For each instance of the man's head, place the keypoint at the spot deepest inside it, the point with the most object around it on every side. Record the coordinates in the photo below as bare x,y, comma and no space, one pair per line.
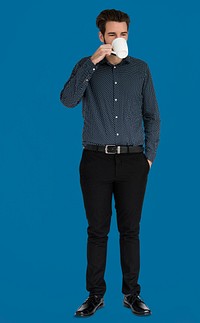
112,24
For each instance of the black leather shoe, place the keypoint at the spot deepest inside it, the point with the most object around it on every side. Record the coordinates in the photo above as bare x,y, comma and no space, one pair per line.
136,305
90,306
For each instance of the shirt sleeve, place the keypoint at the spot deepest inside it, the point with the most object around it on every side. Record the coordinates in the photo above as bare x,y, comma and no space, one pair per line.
151,116
75,87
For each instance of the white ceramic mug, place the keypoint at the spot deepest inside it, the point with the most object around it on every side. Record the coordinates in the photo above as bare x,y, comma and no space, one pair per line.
120,47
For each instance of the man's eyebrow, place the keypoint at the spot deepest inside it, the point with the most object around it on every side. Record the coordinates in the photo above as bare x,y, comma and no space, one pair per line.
112,32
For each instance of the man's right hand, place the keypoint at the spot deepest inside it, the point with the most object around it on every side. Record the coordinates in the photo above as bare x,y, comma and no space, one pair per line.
102,51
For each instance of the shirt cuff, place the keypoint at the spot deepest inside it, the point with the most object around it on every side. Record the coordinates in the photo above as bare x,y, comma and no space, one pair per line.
150,155
89,69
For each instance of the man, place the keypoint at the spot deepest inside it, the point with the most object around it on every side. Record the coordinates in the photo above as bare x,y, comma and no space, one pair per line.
121,115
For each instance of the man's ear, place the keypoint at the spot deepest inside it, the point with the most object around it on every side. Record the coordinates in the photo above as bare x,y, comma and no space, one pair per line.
101,37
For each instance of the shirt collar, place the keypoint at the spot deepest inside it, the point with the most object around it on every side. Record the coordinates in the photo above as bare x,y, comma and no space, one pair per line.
125,60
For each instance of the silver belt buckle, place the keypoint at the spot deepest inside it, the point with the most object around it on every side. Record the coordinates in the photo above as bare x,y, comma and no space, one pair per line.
110,152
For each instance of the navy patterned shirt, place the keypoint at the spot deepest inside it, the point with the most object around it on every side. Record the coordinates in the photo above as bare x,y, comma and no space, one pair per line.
119,105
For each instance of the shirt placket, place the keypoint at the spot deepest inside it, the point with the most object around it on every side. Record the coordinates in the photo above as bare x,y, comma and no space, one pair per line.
116,104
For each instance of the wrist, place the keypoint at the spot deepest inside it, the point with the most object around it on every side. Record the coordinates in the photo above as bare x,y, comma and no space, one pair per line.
93,61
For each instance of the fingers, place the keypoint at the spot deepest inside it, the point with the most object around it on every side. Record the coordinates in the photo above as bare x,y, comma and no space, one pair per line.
106,46
105,49
101,52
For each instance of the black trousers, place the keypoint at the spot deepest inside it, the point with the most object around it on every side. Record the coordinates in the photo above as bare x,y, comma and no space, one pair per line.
125,176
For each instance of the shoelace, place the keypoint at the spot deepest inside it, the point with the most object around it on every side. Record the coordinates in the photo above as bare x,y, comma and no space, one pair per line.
92,300
132,298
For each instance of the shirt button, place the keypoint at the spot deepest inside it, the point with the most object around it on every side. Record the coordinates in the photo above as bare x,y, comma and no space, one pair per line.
114,66
115,99
116,117
117,134
86,80
93,69
115,82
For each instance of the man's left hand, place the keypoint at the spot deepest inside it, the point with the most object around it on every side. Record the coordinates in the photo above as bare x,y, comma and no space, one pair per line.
150,162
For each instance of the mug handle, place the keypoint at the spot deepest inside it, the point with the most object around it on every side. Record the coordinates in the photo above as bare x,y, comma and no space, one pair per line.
114,53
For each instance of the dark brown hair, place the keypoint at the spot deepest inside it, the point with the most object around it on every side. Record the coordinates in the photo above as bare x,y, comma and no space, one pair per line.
111,15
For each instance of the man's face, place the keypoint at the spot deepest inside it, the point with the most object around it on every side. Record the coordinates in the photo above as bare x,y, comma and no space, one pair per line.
114,30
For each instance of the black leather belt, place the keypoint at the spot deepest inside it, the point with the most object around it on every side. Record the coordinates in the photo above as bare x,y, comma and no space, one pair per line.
115,149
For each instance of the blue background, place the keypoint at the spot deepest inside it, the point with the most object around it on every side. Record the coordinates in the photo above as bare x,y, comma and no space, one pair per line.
42,218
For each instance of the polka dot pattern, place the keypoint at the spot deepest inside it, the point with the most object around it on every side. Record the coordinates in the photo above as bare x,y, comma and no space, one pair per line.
119,105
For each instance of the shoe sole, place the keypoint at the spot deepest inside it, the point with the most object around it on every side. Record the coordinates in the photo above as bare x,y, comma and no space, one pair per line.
136,313
86,315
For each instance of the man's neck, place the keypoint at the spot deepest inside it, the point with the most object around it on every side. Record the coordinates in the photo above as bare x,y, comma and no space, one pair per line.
114,59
